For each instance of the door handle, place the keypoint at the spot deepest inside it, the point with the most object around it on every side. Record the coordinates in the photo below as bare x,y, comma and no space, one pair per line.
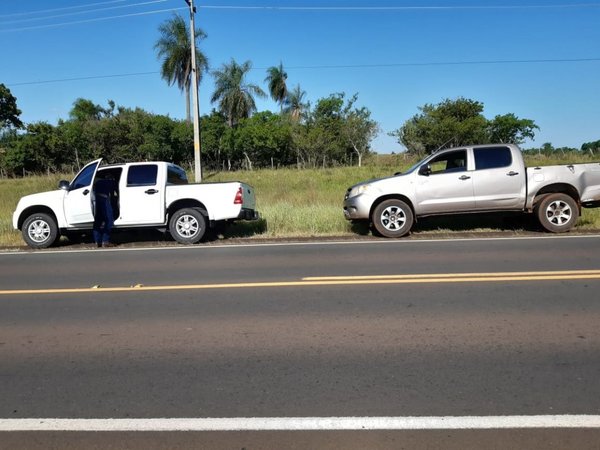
151,191
512,173
464,177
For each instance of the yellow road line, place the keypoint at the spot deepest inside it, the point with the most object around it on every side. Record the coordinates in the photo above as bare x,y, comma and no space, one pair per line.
453,275
337,281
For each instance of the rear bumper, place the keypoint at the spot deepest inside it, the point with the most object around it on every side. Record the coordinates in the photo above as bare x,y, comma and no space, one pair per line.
248,214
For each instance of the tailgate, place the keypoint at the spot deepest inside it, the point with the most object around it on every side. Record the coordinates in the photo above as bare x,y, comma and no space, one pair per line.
248,198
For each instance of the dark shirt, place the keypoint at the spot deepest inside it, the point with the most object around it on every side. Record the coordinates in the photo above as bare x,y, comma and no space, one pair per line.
105,188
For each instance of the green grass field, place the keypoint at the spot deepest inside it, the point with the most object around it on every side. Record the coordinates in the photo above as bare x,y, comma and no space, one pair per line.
303,203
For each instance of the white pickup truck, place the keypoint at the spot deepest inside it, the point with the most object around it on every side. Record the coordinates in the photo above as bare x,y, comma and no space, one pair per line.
471,179
150,194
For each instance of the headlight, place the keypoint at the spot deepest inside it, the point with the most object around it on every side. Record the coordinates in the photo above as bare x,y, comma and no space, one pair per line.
362,189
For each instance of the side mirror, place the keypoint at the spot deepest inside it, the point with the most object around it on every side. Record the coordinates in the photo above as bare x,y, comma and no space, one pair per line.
64,185
397,173
425,170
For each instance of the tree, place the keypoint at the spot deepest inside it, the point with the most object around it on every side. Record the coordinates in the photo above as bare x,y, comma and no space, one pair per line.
591,147
327,128
294,104
276,78
452,123
509,129
9,113
333,131
36,150
359,129
265,139
234,95
174,48
213,127
84,109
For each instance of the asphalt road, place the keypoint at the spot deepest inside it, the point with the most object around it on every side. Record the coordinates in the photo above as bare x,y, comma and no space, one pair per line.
482,328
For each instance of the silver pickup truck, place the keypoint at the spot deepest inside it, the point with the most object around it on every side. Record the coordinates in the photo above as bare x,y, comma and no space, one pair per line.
471,179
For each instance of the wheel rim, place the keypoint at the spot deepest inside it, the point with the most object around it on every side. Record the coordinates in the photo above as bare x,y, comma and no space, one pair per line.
559,213
187,226
39,231
393,218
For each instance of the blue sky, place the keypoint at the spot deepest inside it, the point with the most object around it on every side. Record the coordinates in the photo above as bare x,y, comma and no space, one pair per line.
393,53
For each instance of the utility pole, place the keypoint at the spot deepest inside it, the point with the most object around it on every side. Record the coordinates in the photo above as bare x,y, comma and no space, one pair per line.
197,165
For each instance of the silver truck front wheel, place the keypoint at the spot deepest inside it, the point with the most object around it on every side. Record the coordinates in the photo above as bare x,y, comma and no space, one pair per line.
392,218
557,212
187,226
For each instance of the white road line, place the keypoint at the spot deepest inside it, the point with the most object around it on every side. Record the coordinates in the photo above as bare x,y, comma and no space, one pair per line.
227,246
303,423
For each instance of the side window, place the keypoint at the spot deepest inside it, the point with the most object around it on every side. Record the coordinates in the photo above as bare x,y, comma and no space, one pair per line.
492,158
84,178
112,172
449,162
176,175
142,175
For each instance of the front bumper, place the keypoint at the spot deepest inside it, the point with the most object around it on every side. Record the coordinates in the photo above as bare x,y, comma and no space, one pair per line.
357,207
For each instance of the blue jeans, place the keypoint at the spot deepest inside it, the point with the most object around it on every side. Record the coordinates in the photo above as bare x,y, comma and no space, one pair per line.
103,220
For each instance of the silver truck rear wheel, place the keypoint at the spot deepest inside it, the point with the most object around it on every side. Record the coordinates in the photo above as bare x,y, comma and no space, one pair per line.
392,218
187,226
557,213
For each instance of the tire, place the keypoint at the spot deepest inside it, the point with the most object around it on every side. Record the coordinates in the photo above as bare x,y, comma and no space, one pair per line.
40,230
187,225
392,218
557,213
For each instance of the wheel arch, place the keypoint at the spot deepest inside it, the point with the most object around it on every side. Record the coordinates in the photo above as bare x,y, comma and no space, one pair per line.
186,203
400,197
35,209
558,188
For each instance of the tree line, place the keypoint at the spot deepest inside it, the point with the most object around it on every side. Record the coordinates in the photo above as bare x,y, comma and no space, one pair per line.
335,132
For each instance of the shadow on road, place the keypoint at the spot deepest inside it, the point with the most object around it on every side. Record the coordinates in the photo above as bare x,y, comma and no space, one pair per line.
471,222
154,236
494,222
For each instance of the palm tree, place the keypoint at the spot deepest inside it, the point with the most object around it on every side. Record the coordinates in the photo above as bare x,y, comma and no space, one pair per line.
234,94
276,78
294,103
174,48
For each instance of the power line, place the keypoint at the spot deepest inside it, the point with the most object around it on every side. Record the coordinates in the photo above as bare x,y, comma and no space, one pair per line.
89,11
99,19
66,8
92,77
447,63
346,66
398,8
275,8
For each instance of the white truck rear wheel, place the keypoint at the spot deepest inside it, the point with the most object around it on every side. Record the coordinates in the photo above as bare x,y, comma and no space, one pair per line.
187,226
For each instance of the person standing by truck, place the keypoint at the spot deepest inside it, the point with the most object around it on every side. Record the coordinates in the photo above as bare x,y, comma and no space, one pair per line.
105,191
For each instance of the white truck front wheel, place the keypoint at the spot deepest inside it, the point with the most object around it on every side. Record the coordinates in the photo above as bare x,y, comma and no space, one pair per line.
40,230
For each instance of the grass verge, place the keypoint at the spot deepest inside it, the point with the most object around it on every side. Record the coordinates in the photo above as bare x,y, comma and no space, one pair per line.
305,203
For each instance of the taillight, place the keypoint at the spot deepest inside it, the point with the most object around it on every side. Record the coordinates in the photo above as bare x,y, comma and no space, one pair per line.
238,197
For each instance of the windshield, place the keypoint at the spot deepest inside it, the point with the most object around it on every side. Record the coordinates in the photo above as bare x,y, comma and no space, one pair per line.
412,168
